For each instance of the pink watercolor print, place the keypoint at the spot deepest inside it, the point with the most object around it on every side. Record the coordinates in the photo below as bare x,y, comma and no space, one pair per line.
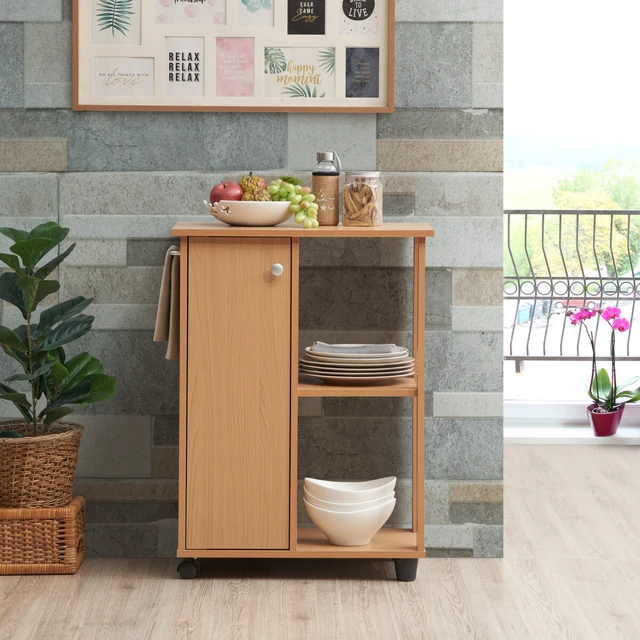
235,67
165,3
161,18
191,10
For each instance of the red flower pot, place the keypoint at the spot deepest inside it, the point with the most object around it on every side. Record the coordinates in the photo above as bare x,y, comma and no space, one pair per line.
604,424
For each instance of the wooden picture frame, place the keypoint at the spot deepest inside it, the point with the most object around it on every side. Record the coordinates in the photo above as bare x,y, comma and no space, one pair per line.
127,63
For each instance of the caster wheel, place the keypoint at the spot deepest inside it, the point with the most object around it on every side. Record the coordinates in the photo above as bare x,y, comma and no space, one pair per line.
406,569
189,569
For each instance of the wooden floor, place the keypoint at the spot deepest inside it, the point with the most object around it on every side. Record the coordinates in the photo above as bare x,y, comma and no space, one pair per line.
571,570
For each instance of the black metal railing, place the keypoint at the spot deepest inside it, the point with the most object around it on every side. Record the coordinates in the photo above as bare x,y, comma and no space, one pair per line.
560,261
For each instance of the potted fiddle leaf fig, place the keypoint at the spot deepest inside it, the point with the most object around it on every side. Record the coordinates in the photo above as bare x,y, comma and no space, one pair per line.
39,452
608,395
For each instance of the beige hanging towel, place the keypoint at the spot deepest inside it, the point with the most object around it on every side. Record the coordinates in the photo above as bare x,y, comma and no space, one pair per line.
168,318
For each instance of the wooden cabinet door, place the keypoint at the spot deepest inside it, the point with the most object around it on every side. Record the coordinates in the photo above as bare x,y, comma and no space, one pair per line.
238,394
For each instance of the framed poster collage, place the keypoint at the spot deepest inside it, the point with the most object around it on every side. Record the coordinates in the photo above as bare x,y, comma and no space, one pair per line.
234,55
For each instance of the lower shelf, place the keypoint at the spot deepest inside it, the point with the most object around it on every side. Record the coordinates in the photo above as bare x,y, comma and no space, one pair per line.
312,543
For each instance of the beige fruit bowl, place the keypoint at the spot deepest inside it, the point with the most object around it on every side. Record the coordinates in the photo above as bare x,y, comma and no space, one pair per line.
250,214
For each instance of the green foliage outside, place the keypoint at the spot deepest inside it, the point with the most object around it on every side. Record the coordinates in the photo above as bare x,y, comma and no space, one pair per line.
616,187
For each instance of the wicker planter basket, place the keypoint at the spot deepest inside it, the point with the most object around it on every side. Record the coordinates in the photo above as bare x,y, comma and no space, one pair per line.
38,471
42,541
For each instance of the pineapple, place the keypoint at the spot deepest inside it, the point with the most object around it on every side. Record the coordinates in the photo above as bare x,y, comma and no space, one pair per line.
260,195
250,184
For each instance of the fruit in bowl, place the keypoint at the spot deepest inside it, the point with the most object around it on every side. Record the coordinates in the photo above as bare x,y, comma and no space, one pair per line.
226,191
287,191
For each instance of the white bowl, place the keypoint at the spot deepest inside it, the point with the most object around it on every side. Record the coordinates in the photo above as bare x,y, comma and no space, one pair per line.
352,528
346,506
250,214
350,491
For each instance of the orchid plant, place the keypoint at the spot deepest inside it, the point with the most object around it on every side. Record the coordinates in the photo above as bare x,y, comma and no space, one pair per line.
604,390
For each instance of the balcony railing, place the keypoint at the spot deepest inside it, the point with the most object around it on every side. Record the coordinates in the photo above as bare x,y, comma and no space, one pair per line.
559,261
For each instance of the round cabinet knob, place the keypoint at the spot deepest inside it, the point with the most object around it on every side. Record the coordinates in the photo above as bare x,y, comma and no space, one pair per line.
277,269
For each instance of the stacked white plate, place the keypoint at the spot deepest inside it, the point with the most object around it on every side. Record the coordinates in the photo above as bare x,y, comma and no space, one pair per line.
349,513
338,365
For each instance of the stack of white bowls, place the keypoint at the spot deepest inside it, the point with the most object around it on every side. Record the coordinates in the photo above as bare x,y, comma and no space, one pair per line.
349,513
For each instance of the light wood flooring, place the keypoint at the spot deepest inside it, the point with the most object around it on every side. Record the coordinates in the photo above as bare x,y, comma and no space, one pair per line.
571,570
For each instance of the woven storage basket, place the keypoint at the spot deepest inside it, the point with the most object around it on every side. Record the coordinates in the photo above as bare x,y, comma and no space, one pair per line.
38,471
36,541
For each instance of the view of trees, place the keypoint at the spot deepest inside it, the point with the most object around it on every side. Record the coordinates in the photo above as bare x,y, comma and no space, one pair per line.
601,247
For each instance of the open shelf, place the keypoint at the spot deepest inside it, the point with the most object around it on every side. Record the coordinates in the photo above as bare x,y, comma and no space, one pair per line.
401,387
387,543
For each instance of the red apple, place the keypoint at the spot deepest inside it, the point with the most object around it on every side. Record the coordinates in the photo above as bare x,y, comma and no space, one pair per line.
225,191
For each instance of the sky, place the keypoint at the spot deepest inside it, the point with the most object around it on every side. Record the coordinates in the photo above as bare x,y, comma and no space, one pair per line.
572,92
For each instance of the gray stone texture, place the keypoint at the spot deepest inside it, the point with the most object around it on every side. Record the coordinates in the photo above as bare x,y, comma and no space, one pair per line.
47,52
487,65
31,10
462,448
367,407
121,540
477,287
351,136
396,204
96,253
467,405
436,502
488,541
164,462
122,141
11,53
127,511
114,446
370,299
38,123
130,356
433,65
448,10
459,194
33,155
354,448
478,513
52,95
148,253
477,319
464,361
28,195
165,431
441,124
126,490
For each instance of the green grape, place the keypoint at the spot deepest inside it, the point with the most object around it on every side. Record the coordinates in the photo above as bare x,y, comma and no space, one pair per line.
304,205
291,189
295,208
312,213
300,218
314,223
273,189
313,205
305,191
298,188
309,197
308,223
283,192
296,199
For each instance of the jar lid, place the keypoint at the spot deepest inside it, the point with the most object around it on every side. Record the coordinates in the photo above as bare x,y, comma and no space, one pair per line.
363,174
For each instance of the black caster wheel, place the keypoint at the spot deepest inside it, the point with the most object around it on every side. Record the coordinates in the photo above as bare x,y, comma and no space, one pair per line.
189,568
406,569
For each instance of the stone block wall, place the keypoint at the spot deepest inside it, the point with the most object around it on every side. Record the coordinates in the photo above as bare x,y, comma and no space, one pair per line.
121,180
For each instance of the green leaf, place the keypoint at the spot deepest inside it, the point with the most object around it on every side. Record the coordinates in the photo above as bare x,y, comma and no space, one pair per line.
36,290
73,395
32,376
51,230
25,411
102,388
46,269
67,332
11,292
8,338
9,434
601,388
628,383
16,235
11,261
61,312
80,367
632,396
114,15
327,60
51,414
19,399
32,250
274,60
59,373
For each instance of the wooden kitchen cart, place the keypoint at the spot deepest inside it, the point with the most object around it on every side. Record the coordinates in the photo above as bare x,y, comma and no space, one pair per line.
239,391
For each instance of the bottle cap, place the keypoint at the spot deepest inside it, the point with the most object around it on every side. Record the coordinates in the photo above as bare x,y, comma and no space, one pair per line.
325,156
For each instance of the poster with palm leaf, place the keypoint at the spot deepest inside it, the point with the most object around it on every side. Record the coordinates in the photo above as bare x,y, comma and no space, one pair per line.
302,73
116,22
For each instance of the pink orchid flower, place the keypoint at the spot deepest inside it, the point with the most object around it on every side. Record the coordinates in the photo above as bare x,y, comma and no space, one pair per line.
610,313
620,324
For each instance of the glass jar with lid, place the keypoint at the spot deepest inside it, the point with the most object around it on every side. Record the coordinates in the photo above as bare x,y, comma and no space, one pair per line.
362,199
